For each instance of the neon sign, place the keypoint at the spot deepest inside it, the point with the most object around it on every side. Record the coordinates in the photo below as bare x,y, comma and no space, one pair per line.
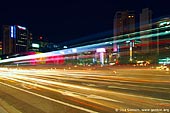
22,28
35,45
12,31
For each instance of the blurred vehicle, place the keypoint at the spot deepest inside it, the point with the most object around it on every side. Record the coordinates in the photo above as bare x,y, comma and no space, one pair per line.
142,63
163,67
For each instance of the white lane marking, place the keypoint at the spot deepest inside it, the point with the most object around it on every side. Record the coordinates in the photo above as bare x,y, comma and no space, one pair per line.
117,87
69,93
103,98
51,99
92,85
138,86
25,86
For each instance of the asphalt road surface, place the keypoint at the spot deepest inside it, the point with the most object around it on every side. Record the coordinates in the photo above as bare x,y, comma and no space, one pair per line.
126,90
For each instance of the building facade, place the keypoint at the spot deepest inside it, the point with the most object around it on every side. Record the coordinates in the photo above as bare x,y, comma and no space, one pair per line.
124,25
0,48
124,22
162,40
146,24
16,39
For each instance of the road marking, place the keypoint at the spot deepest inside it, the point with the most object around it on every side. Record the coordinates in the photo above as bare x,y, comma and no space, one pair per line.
138,86
103,98
51,99
92,85
117,87
69,93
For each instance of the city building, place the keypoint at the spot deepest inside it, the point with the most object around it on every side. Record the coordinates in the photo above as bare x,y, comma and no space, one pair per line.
124,25
162,41
0,48
16,39
124,22
38,44
146,24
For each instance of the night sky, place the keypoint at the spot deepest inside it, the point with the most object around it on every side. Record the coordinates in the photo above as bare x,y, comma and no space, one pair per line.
68,20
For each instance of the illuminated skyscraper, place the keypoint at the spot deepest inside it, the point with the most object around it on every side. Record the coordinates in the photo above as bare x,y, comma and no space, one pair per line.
0,48
15,39
145,24
124,23
163,41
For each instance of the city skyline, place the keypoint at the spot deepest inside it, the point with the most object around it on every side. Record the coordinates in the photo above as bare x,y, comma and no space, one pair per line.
67,21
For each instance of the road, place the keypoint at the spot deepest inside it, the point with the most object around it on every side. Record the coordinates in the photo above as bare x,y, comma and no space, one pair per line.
85,91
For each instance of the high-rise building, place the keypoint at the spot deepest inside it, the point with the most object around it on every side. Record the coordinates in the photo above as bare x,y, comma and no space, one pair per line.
124,23
15,39
146,24
163,38
0,47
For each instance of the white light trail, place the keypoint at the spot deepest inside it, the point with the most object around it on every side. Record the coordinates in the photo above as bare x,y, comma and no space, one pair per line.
86,48
51,99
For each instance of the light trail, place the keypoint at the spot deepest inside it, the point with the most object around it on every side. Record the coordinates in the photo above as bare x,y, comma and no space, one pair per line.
86,97
50,75
51,99
50,82
69,83
86,48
